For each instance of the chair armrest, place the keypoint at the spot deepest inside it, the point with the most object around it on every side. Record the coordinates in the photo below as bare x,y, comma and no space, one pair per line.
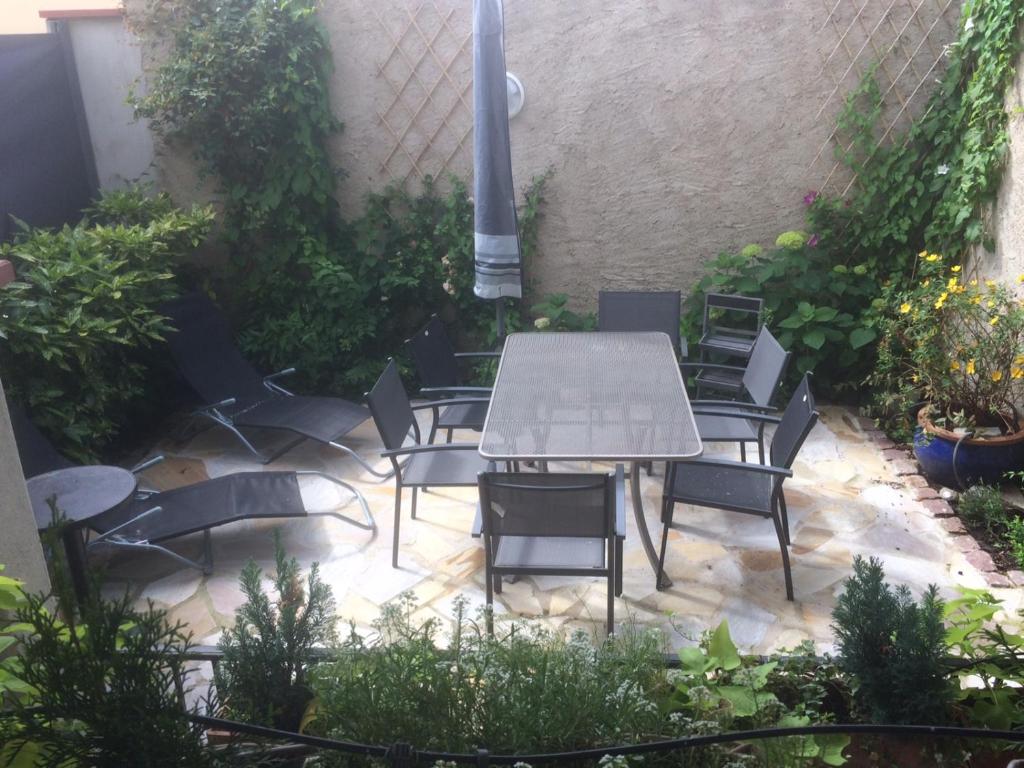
151,462
214,406
737,404
620,502
432,391
414,449
765,469
444,402
269,381
713,366
466,355
737,414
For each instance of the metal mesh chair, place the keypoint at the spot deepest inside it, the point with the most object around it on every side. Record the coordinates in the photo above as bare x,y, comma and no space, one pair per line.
238,397
437,363
640,311
731,325
753,489
424,465
553,524
151,518
720,421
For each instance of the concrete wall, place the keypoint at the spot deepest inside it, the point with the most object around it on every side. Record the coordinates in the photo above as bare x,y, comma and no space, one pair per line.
20,549
676,128
108,61
1007,221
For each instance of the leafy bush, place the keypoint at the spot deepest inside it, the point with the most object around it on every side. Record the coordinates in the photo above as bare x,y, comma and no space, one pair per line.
76,322
526,691
982,506
553,314
717,691
77,690
892,647
815,303
262,676
1015,539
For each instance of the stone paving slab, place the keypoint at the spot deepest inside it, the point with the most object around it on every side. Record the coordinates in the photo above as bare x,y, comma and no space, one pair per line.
845,499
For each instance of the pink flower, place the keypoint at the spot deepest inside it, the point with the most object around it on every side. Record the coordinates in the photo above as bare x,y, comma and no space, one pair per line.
813,241
810,197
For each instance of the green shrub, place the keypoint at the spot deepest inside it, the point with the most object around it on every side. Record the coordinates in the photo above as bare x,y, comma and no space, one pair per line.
982,506
553,314
75,324
815,303
99,691
262,676
525,691
892,647
1015,539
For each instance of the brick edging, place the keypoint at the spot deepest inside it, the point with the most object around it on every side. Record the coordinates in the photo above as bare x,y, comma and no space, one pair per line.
908,471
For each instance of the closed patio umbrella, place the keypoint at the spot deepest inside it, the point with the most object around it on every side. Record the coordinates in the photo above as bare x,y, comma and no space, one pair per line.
496,255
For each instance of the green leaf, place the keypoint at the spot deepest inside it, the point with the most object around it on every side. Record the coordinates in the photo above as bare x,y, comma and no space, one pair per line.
722,647
861,336
825,314
815,338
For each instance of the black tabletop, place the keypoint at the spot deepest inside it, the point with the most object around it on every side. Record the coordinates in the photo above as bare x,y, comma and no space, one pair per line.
82,492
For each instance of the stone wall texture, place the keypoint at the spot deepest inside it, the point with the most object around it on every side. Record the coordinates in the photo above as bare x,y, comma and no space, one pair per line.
675,128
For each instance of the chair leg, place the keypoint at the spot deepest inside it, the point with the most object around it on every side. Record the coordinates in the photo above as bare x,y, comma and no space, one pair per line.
618,567
489,617
649,466
785,555
498,581
743,451
760,449
785,516
448,439
414,490
398,521
611,604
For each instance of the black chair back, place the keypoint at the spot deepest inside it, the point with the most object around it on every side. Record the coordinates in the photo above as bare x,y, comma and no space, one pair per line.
639,311
744,313
390,408
36,452
434,356
797,421
205,353
765,368
547,504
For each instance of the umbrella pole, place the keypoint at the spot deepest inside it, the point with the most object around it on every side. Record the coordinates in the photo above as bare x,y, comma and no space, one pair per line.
500,310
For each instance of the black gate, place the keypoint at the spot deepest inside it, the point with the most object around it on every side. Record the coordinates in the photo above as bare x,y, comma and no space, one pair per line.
47,171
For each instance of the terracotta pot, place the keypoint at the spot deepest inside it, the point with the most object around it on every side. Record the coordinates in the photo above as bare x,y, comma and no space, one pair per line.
977,460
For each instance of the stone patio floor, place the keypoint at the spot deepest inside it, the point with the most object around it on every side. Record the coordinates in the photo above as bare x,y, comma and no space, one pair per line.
844,500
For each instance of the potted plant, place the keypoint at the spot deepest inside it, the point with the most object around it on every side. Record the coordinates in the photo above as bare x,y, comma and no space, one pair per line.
956,344
261,678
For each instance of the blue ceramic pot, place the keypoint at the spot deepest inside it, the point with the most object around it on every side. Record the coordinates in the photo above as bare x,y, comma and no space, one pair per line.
977,461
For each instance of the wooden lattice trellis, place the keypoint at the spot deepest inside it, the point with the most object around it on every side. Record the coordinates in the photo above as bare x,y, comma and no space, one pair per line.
429,116
906,41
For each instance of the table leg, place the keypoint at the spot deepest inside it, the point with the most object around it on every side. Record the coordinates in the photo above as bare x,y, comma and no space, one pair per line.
74,549
641,523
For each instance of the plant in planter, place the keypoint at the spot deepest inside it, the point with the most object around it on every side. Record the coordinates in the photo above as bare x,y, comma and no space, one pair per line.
956,345
262,676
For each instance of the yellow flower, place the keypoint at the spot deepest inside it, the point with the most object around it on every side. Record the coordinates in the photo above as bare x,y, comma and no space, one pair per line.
904,308
976,300
970,367
990,283
925,283
955,365
951,285
994,320
973,283
1020,278
955,268
997,375
990,303
1019,360
1016,373
942,300
933,257
922,254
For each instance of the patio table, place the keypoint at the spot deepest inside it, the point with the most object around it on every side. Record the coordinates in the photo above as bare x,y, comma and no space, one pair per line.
616,397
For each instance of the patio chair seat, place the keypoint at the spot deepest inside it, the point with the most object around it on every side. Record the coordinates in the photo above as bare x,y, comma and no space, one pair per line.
721,429
451,468
727,381
728,343
556,553
467,416
205,505
324,419
731,488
